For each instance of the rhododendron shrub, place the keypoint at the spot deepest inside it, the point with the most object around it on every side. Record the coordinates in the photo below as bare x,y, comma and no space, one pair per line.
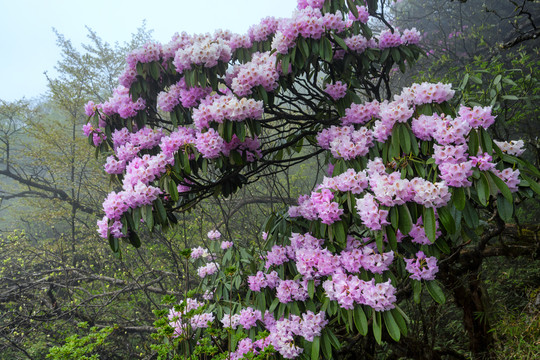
412,175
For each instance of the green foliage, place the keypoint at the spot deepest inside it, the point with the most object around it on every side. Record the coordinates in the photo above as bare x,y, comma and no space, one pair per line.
85,347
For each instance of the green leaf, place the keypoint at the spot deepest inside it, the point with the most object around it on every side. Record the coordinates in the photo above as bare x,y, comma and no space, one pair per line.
445,216
274,305
514,160
315,347
340,42
134,239
240,127
326,345
372,6
334,340
311,288
464,81
428,218
395,55
114,244
476,79
505,208
339,233
474,143
326,49
487,143
442,245
360,320
533,184
379,241
458,198
405,139
417,290
470,216
394,217
173,191
391,326
304,47
405,220
149,218
162,213
377,326
435,291
285,63
391,236
154,70
352,8
482,189
502,187
510,97
400,321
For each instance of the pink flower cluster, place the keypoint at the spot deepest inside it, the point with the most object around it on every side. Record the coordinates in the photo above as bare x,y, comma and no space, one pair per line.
180,93
182,137
208,269
428,194
450,154
483,162
209,144
387,189
205,51
316,4
262,280
363,15
456,175
314,262
226,244
337,90
251,148
388,39
262,31
246,346
418,234
510,177
120,103
358,43
477,116
370,213
427,93
289,290
213,235
147,53
181,322
226,107
410,36
361,113
514,147
422,267
365,256
350,180
307,22
283,332
238,41
345,142
261,70
199,252
317,206
349,290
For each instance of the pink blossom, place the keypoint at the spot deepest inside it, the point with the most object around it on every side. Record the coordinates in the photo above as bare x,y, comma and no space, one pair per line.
422,267
337,90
